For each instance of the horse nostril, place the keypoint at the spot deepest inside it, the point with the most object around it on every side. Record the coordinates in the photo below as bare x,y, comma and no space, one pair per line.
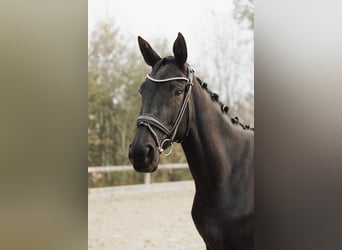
149,154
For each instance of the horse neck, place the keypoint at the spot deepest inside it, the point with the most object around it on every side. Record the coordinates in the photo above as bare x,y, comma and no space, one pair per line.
210,139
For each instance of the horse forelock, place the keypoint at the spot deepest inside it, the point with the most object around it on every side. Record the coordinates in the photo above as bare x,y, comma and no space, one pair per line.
161,67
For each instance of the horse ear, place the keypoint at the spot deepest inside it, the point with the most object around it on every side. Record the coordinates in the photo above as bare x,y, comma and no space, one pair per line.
179,50
150,56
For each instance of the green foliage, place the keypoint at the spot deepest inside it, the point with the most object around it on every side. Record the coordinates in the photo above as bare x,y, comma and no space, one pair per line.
114,179
132,177
114,74
166,175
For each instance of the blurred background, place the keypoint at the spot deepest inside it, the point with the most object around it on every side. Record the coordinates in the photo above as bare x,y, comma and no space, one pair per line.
220,41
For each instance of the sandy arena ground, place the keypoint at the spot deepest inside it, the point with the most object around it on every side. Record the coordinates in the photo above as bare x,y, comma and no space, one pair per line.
156,216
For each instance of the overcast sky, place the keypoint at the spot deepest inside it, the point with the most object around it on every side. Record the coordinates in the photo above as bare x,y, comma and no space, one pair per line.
153,19
205,24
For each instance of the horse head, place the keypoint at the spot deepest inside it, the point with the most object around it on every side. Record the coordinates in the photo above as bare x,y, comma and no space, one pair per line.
165,99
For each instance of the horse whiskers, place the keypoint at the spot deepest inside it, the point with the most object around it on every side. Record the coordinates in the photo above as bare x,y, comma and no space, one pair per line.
224,108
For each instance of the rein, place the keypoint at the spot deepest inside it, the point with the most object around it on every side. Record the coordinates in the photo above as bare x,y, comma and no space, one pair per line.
151,122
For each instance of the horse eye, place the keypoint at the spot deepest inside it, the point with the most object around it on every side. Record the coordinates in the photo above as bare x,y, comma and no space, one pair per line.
178,92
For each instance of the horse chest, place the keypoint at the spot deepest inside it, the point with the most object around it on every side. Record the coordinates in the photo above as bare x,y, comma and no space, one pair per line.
207,225
218,227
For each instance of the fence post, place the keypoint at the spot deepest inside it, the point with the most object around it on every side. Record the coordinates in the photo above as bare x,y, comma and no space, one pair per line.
147,178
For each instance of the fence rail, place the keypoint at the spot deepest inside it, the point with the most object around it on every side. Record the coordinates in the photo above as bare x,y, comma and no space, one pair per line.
147,178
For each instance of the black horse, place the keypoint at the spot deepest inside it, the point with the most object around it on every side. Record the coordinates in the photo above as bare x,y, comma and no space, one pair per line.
178,107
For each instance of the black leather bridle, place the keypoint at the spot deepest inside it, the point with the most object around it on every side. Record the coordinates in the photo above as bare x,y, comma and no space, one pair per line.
151,122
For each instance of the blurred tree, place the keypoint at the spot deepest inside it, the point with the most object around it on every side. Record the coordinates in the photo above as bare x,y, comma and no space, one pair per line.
113,77
230,59
244,15
244,12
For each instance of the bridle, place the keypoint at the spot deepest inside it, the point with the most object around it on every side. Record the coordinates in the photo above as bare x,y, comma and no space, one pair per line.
149,121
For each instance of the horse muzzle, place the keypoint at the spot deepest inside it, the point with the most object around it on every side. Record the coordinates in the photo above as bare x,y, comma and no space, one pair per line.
144,157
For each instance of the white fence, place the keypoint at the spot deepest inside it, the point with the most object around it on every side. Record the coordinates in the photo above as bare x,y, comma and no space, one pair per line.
147,178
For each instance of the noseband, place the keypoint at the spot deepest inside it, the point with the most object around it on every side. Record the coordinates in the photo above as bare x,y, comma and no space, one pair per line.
149,121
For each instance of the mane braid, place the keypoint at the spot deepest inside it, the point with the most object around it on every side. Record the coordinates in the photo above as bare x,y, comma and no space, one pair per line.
224,108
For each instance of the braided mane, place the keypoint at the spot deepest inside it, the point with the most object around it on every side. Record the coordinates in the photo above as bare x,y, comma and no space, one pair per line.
224,108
